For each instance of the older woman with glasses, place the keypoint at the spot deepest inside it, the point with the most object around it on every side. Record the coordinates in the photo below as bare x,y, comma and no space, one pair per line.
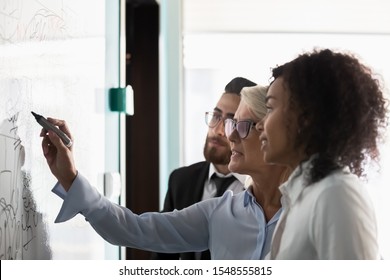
232,226
247,158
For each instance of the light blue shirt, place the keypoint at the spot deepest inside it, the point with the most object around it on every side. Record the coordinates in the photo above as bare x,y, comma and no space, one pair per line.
231,226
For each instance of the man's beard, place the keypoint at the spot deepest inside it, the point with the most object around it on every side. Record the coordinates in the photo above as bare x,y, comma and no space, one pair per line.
216,157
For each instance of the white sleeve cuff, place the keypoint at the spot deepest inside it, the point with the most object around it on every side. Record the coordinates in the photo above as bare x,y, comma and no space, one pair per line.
81,198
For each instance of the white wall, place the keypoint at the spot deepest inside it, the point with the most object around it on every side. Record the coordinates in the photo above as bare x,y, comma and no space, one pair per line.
346,16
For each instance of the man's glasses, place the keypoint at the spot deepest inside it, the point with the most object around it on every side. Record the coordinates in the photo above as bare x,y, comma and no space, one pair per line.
212,119
242,127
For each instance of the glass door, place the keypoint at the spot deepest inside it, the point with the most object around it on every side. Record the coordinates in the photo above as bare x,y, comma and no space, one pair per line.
58,59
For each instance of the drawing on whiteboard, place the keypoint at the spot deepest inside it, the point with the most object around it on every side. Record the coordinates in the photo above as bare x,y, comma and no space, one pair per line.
22,232
37,23
52,59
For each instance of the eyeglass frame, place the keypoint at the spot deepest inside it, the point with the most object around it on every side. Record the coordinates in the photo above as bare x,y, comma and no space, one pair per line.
234,127
220,118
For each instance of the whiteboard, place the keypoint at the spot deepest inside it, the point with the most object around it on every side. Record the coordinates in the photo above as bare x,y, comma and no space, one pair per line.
52,62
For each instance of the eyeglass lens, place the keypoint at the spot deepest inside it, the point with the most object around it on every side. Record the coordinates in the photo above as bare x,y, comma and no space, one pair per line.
242,127
212,119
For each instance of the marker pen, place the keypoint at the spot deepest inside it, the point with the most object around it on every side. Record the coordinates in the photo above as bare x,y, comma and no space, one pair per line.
49,126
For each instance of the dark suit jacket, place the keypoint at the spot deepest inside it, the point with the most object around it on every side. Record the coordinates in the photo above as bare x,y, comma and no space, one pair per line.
185,187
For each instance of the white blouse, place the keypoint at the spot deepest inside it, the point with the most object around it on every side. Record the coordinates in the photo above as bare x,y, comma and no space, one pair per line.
330,219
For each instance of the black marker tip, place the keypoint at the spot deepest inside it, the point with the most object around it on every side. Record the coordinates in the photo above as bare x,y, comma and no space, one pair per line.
34,114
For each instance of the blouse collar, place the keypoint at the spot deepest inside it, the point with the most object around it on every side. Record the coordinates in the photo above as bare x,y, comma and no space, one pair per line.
296,183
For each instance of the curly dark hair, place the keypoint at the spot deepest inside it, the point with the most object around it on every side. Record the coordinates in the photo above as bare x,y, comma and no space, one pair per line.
342,109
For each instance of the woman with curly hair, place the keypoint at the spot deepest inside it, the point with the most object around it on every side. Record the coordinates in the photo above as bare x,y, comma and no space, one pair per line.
325,115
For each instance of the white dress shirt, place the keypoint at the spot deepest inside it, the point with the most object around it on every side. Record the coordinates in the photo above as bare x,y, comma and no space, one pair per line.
331,219
231,226
210,189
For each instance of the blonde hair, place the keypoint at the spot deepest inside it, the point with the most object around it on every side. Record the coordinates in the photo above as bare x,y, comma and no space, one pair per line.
254,98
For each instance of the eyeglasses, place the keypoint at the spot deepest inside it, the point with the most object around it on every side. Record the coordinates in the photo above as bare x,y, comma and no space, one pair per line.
212,119
242,127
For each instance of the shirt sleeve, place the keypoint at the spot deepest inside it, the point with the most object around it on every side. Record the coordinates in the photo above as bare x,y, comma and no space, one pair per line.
177,231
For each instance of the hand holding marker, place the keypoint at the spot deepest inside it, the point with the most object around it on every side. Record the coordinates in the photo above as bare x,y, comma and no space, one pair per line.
49,126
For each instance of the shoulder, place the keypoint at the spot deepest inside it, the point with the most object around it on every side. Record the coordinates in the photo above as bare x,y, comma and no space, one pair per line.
340,181
191,169
342,190
229,204
187,179
231,198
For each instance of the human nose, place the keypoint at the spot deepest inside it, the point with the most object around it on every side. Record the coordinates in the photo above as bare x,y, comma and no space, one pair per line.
220,127
260,125
232,133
